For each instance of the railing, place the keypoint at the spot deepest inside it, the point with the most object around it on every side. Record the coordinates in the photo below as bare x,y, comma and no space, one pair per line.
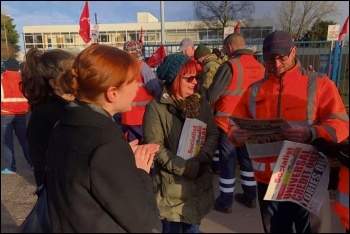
319,54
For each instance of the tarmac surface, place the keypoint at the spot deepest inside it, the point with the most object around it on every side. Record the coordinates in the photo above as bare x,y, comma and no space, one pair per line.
17,200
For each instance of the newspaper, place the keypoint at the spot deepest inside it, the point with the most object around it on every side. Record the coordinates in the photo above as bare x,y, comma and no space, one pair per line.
301,175
192,138
267,139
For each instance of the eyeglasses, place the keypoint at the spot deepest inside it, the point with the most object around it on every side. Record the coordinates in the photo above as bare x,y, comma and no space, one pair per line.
189,79
280,58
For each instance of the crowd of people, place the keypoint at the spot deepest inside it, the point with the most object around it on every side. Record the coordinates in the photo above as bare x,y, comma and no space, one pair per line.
104,132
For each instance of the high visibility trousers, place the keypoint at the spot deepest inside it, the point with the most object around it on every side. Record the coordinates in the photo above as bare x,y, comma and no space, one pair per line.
215,162
227,161
248,181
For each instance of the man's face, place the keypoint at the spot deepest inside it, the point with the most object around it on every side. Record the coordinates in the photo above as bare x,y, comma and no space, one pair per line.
278,64
189,51
226,49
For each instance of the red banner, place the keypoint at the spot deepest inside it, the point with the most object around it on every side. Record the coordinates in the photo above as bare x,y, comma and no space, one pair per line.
236,30
84,23
141,36
157,57
344,29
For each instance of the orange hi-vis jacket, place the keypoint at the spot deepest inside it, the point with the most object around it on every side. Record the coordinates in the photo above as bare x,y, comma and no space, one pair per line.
311,101
12,100
143,96
341,203
246,70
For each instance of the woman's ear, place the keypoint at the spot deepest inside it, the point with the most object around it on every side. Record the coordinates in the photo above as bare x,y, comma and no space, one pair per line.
52,84
112,94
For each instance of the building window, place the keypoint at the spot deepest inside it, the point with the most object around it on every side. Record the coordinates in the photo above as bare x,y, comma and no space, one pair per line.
29,39
67,38
38,38
103,37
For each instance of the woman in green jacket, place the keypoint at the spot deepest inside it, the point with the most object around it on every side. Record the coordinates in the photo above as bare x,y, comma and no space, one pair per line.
184,188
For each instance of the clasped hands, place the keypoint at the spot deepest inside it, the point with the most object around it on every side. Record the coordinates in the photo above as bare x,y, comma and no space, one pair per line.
294,133
144,154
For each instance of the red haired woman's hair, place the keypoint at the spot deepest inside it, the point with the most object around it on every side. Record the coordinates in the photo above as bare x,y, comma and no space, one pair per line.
189,67
99,67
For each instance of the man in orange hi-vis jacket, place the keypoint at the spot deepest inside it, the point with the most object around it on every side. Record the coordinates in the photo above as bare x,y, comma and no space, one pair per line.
312,106
14,107
149,87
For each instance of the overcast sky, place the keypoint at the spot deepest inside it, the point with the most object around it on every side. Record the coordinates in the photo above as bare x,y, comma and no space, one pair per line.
30,13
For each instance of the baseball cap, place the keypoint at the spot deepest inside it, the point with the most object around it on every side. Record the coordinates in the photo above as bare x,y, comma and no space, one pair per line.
277,42
186,42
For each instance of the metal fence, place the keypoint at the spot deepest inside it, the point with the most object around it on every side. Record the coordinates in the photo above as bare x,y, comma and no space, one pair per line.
322,55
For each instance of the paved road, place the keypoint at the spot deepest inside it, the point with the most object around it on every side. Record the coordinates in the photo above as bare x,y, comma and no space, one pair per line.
17,201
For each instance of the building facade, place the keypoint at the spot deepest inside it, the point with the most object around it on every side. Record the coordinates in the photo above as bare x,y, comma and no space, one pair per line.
67,36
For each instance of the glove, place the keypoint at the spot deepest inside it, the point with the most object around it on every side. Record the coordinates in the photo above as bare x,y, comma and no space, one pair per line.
191,169
333,150
194,168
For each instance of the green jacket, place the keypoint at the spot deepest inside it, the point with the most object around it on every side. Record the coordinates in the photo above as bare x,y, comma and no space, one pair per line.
210,66
182,195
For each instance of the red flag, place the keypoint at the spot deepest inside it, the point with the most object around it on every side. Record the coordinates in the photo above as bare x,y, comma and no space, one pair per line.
84,23
236,30
157,57
141,36
344,29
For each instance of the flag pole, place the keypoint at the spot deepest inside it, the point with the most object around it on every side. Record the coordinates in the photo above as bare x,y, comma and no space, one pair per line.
162,22
96,24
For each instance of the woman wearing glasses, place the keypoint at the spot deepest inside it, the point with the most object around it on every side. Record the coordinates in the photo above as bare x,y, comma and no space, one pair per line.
184,188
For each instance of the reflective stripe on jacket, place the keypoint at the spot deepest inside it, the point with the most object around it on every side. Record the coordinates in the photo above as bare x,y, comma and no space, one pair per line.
246,70
12,100
302,100
341,203
143,96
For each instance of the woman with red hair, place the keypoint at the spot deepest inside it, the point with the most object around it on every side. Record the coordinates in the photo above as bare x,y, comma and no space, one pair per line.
184,188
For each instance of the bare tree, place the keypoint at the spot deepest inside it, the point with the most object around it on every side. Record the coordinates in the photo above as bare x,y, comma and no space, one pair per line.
296,17
218,14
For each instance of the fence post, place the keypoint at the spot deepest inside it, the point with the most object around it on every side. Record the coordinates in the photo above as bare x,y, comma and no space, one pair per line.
335,62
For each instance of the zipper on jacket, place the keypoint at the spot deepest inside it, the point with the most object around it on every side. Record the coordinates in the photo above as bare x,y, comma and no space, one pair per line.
279,98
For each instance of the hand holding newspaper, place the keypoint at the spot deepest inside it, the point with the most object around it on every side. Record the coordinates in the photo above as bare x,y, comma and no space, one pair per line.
301,175
192,138
267,138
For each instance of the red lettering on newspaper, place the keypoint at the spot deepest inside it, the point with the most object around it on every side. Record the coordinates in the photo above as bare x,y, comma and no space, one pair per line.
300,176
313,181
193,138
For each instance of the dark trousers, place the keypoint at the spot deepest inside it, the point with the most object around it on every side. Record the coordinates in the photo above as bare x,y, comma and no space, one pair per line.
178,227
279,217
227,161
14,124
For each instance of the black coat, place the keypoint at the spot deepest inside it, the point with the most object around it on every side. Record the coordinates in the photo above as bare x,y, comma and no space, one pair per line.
42,120
92,180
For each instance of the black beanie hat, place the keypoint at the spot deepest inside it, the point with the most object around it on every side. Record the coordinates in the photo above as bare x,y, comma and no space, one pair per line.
12,64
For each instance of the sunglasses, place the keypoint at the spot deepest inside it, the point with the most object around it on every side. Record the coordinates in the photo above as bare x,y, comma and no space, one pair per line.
189,79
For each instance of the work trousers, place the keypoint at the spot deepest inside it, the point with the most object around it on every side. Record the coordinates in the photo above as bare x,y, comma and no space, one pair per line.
178,227
227,161
280,217
14,124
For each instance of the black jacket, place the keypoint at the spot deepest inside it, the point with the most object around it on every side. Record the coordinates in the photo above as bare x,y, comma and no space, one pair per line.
41,122
92,180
